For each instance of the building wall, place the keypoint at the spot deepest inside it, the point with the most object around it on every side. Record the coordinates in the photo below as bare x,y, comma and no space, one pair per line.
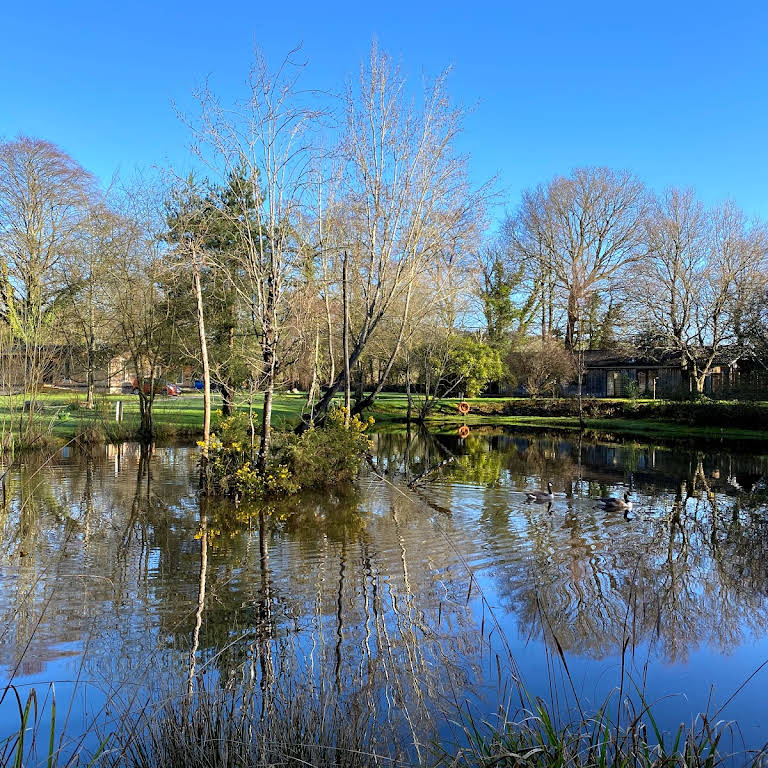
611,382
670,381
109,377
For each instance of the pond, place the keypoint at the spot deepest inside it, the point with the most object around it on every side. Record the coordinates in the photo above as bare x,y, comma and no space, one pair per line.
432,585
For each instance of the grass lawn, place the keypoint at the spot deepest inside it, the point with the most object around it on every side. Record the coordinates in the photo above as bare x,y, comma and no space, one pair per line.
392,407
64,415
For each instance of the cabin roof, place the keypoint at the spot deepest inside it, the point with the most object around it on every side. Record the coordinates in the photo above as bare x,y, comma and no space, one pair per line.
602,358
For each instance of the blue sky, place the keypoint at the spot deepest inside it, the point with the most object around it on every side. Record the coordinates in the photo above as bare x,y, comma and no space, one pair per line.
674,91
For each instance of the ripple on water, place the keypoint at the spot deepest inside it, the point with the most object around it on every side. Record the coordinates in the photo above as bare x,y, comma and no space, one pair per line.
373,584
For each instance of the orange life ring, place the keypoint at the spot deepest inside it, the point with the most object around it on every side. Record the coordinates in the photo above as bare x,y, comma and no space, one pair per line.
463,407
464,431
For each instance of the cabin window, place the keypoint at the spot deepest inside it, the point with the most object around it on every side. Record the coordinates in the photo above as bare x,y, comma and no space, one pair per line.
642,382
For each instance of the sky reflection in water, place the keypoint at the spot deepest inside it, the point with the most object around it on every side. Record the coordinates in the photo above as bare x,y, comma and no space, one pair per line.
369,592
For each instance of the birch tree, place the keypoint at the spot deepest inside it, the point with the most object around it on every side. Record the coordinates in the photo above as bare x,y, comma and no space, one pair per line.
190,219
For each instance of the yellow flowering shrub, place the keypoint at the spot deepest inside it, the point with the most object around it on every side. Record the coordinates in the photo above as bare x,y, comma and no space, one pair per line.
319,458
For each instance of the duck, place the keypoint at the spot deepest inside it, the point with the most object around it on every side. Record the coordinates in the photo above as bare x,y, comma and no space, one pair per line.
540,496
612,504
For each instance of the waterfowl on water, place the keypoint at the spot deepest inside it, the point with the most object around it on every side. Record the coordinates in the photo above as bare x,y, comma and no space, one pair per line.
612,504
541,496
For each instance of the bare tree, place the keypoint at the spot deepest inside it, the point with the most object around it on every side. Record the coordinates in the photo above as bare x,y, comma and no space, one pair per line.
693,290
754,322
580,231
264,141
406,200
526,239
89,325
138,274
44,199
541,366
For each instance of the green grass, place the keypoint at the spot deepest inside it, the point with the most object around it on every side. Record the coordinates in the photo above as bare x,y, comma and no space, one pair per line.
392,407
63,415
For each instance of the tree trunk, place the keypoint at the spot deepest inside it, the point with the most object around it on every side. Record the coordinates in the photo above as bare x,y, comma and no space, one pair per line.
345,341
206,372
376,388
580,389
266,426
360,394
324,403
89,396
329,322
251,422
227,390
146,425
408,394
570,328
89,400
227,399
577,343
268,347
313,386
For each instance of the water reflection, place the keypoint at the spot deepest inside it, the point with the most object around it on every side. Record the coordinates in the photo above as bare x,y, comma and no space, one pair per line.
126,579
688,569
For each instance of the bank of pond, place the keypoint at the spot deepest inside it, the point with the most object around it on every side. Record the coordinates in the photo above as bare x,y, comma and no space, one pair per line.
61,417
426,612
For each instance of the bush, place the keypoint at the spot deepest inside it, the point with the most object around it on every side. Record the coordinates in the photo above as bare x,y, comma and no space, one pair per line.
632,390
474,364
699,413
328,456
322,457
540,366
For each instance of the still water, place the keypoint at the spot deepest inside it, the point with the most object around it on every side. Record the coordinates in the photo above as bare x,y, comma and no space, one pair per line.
420,597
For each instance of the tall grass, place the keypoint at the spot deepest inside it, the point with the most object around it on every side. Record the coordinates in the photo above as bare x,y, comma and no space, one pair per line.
238,727
233,728
36,742
309,725
533,737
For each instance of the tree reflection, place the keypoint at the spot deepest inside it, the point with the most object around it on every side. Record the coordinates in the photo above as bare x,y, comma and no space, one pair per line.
366,593
688,571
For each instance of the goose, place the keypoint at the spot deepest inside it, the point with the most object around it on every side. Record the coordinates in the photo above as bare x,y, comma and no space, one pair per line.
541,496
612,499
613,505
